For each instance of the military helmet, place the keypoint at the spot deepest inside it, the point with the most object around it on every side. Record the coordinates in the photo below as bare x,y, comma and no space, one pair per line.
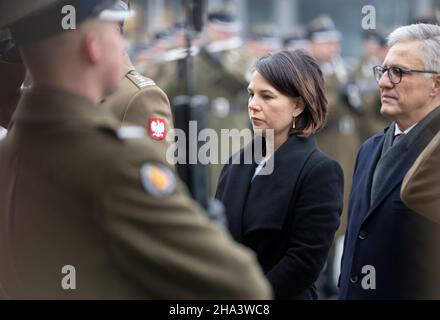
323,29
33,20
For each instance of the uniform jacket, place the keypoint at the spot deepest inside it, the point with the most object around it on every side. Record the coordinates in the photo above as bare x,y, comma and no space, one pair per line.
340,138
74,192
421,187
139,99
382,232
227,98
421,192
289,218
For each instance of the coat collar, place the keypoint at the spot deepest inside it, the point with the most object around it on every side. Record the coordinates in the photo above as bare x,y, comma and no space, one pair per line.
288,162
286,155
289,153
416,141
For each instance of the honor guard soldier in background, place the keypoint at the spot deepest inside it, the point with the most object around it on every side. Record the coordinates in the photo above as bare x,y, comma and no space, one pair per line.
164,52
374,52
261,41
297,39
139,100
219,76
340,138
223,42
90,209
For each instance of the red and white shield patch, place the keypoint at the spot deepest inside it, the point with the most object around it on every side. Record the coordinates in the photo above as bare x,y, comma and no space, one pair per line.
157,128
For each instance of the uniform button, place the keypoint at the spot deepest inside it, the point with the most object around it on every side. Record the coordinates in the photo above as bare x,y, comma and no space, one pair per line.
354,278
363,235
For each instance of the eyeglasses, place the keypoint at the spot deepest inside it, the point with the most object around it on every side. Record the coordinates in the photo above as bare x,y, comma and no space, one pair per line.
395,73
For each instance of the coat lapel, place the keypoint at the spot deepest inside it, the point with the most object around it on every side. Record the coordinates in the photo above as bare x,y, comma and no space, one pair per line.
414,145
363,176
270,195
246,203
374,159
233,191
409,155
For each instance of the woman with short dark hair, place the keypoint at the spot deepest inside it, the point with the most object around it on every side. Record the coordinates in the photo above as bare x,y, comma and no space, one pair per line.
289,217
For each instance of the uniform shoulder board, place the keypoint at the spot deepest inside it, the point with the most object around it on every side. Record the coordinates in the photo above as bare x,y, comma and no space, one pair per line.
130,132
139,80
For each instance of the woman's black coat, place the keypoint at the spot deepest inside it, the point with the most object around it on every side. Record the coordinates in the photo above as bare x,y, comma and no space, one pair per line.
289,218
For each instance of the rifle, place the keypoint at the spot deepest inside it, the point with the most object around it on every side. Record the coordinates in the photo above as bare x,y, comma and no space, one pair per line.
192,107
349,90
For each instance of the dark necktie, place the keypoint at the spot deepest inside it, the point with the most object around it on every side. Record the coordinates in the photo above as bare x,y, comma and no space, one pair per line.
397,138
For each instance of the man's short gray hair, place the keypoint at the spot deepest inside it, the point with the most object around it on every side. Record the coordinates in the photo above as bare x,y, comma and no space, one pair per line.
428,34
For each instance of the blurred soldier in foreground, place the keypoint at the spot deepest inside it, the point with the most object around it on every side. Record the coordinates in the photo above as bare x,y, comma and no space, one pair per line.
340,139
421,193
139,100
420,188
89,209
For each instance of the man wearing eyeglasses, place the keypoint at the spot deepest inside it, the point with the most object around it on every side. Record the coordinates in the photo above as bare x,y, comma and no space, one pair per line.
384,238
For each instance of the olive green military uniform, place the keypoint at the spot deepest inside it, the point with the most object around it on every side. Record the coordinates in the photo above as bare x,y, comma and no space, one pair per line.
227,96
166,72
372,121
78,190
421,192
238,63
138,100
340,139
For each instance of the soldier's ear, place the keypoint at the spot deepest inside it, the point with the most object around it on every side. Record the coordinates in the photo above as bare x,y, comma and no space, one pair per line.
91,47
